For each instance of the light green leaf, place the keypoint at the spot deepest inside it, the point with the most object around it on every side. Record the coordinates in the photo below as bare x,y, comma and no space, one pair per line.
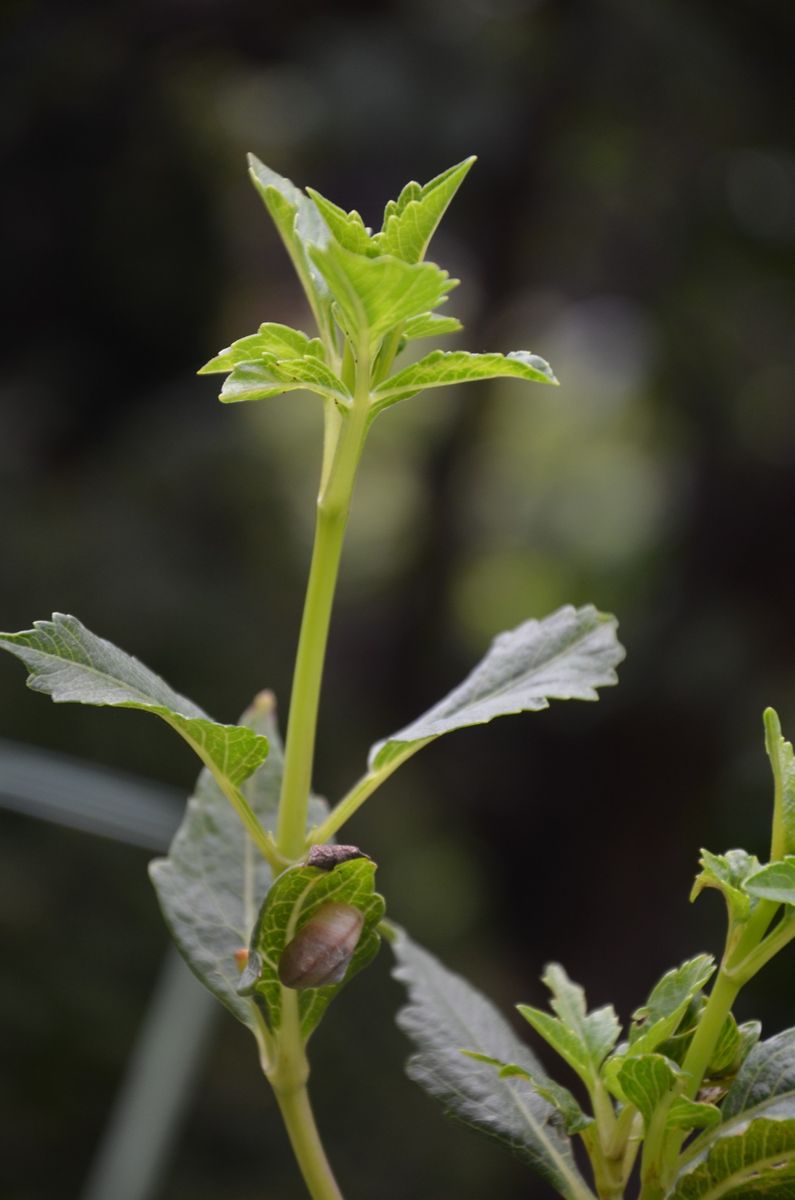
668,1002
271,341
599,1031
563,1041
213,881
410,222
690,1114
574,1119
565,656
430,325
776,881
294,898
727,873
272,377
300,225
755,1160
441,368
646,1080
373,295
445,1015
782,761
69,663
348,228
583,1039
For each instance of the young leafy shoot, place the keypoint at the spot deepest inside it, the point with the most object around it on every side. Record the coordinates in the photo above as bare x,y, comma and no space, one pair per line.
582,1039
371,294
69,663
727,873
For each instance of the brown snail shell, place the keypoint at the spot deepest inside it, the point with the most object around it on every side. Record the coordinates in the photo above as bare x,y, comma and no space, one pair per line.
321,951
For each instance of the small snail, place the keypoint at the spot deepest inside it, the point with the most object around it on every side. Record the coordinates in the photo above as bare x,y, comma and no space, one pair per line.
321,951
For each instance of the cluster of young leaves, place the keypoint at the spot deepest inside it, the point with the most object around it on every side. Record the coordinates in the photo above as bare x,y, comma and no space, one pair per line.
743,882
738,1118
370,293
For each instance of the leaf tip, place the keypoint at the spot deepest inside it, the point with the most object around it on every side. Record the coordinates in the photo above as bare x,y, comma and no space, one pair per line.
264,702
772,723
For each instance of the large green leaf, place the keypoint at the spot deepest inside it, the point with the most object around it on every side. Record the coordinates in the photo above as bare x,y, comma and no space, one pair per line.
441,368
373,295
768,1072
70,663
213,881
410,221
755,1160
583,1039
775,882
782,761
752,1152
565,656
294,898
444,1016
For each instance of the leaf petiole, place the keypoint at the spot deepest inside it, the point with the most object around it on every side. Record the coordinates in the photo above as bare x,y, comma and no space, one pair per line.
360,792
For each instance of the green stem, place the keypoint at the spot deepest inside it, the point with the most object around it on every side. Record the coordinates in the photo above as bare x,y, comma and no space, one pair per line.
299,1122
767,949
332,517
731,978
705,1039
288,1078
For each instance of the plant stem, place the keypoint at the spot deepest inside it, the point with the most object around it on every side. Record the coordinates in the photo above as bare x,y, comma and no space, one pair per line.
705,1039
305,1140
332,517
288,1078
307,678
767,949
731,978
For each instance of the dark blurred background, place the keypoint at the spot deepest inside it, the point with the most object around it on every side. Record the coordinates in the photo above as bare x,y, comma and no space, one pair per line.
632,219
